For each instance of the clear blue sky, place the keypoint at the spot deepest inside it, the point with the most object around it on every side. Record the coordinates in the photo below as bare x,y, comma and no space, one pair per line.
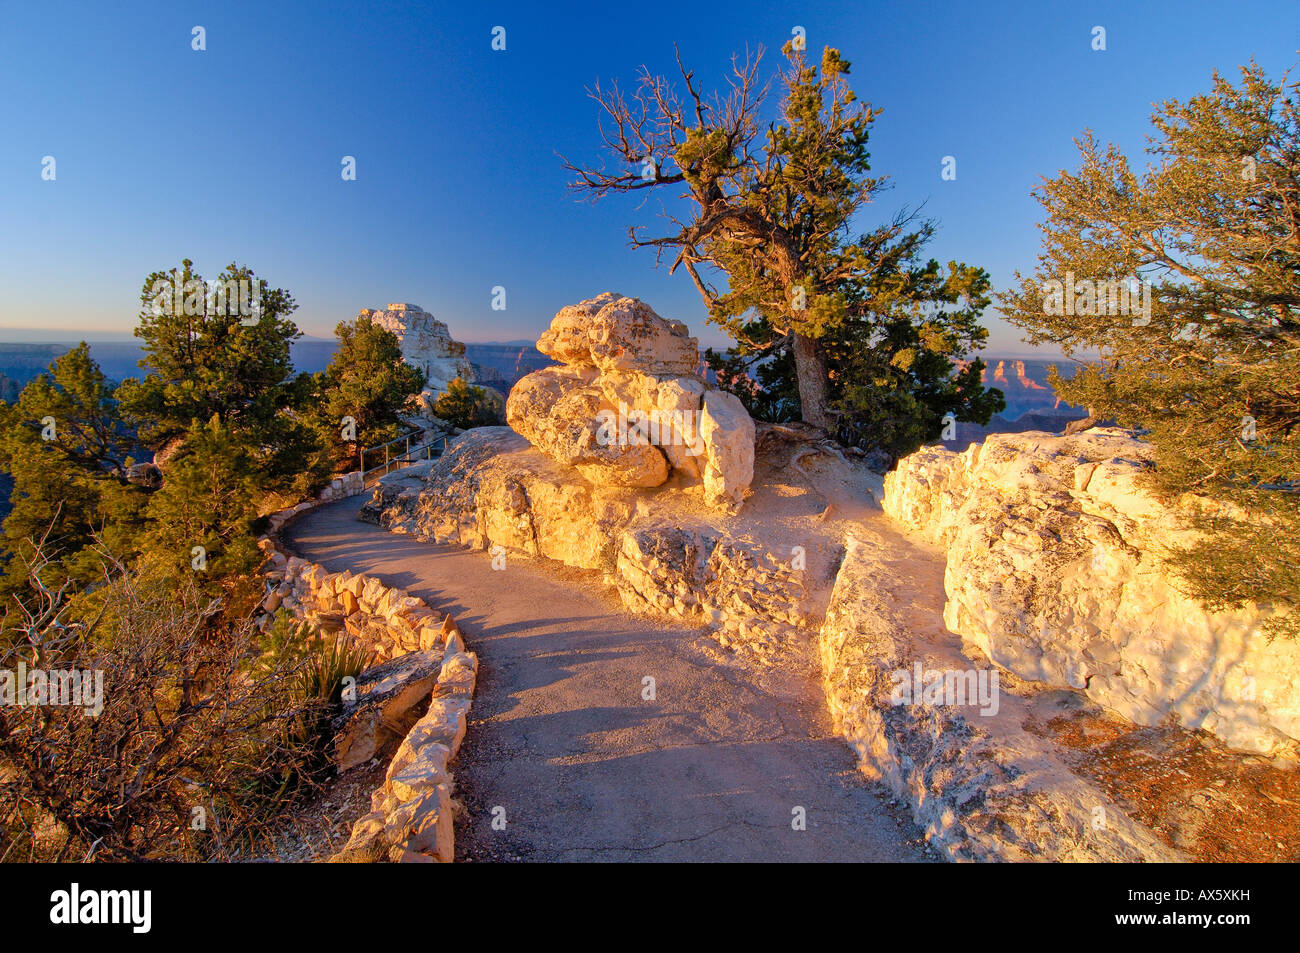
234,153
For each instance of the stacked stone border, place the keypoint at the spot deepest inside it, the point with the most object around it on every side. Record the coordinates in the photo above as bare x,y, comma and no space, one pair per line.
412,813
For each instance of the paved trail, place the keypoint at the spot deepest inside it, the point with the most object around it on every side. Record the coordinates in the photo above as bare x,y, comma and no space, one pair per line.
560,737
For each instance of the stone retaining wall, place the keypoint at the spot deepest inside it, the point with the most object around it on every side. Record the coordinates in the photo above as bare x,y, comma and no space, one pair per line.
417,700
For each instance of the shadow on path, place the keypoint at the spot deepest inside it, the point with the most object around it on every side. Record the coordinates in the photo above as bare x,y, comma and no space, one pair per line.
712,769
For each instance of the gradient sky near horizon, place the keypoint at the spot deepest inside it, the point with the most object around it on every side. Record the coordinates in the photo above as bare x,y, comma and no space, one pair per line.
234,153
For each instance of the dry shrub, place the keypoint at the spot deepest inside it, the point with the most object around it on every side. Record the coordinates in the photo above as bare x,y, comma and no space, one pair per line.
201,745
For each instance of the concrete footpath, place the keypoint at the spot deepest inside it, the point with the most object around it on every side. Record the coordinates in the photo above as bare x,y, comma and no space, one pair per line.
563,748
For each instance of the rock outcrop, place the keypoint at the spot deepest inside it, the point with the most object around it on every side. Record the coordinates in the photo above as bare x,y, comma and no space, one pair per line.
981,786
1054,571
558,409
426,344
628,408
757,577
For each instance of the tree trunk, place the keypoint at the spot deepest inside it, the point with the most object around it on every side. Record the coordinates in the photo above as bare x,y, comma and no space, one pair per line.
810,370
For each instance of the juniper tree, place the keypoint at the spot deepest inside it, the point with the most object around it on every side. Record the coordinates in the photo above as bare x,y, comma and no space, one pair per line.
368,380
773,212
1212,371
464,405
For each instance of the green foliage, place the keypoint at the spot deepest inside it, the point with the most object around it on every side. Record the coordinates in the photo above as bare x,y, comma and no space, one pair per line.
208,499
898,373
892,374
320,664
218,469
369,381
72,487
463,405
1213,372
771,393
816,307
213,364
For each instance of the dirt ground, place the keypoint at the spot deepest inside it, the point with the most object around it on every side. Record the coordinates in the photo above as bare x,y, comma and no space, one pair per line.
1214,804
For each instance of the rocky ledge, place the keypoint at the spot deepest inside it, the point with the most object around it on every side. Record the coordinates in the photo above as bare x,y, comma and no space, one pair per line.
759,579
1054,572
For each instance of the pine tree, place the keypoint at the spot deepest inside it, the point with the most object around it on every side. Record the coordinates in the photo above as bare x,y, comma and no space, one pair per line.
203,357
464,405
776,218
369,381
202,519
1207,359
68,451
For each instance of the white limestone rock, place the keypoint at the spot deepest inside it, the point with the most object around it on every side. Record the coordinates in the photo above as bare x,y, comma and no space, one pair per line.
557,410
727,432
426,344
1054,570
614,333
629,407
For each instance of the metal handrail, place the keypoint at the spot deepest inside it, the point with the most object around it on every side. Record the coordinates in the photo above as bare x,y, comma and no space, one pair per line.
409,457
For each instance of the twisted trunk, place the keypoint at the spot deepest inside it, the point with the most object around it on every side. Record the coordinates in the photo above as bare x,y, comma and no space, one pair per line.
811,372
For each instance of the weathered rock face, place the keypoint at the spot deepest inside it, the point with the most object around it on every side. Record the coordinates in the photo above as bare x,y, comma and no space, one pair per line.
628,407
1054,571
557,410
982,786
426,344
727,432
663,554
619,335
493,488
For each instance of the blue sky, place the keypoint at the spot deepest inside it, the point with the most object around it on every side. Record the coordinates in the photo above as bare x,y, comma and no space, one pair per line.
234,153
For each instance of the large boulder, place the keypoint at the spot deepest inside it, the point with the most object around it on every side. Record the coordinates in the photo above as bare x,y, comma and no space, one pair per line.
628,408
617,334
727,432
557,410
1055,571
